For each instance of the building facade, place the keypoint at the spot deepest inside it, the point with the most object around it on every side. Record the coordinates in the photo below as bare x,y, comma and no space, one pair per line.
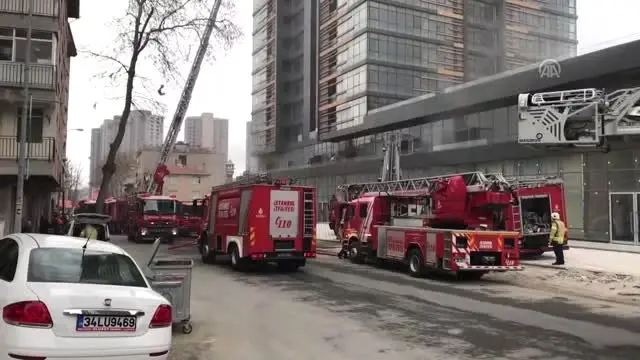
284,75
52,46
207,131
193,170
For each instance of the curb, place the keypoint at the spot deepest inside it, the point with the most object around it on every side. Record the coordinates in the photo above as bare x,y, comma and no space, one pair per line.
327,251
565,267
607,250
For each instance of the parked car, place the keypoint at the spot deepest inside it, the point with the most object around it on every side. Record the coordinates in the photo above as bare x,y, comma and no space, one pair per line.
68,297
98,221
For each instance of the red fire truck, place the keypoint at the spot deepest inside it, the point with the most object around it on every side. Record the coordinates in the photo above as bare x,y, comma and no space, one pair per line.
190,217
436,223
260,220
538,196
152,216
85,207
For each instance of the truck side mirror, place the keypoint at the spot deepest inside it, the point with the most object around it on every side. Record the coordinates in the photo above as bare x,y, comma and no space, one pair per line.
195,204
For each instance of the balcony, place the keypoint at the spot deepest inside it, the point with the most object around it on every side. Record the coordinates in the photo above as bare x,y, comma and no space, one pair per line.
41,156
42,76
47,8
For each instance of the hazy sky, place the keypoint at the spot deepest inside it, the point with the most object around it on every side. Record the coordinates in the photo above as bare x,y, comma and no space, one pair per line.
224,87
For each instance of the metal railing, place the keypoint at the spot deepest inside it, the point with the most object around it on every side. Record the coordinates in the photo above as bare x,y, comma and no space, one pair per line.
42,75
43,150
39,7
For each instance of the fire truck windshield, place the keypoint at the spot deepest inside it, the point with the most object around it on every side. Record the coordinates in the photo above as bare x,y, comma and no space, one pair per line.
159,207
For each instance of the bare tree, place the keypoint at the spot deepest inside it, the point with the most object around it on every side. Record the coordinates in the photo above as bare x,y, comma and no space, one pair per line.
125,168
72,181
156,34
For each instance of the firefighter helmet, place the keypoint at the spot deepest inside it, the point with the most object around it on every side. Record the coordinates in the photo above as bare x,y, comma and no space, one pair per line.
555,216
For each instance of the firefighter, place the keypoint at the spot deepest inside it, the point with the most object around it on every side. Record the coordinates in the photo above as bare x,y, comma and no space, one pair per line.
89,232
557,237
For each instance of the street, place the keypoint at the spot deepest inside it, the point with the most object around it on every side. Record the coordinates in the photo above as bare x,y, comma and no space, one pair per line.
337,310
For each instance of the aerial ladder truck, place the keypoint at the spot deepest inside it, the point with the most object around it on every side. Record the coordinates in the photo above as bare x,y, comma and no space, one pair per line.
452,223
155,185
150,214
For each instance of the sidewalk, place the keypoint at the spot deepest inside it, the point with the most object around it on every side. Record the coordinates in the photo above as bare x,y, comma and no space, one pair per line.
593,260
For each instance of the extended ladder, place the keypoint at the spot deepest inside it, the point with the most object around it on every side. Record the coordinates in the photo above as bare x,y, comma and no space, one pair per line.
476,181
309,219
253,179
527,181
581,117
155,185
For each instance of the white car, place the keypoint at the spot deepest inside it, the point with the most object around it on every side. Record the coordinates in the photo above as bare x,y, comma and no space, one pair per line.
69,298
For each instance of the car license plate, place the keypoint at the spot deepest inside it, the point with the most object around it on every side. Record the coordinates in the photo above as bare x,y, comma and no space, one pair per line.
284,254
106,323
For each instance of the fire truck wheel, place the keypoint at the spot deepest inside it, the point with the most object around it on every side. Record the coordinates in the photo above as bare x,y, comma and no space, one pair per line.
237,263
354,253
208,256
416,263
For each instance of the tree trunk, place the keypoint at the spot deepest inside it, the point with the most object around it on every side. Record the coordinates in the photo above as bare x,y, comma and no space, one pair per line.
110,165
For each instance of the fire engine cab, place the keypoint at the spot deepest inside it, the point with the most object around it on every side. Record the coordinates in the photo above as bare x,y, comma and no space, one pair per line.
152,216
259,220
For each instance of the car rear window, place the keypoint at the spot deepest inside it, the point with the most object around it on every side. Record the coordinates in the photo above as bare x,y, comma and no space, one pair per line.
64,265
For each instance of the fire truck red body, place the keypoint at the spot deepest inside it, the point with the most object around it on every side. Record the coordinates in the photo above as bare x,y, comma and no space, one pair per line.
260,220
190,217
538,196
437,223
152,216
85,207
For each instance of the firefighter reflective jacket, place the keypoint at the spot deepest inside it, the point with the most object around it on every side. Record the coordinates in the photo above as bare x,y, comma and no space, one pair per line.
558,231
89,232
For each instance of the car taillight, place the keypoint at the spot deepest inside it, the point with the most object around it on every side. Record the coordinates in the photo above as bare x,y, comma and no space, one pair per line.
27,313
163,317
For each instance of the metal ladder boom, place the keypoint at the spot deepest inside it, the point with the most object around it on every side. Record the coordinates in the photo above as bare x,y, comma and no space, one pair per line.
475,181
579,117
187,92
528,181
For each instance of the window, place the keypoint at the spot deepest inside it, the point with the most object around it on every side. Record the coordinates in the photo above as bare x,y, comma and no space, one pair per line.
195,181
34,126
8,259
159,207
68,265
13,44
364,206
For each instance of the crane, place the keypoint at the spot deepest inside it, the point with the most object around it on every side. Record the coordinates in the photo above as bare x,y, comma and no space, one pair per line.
156,184
578,117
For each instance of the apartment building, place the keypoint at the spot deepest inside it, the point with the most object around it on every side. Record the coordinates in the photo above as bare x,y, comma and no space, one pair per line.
207,131
371,54
144,129
193,170
52,46
251,161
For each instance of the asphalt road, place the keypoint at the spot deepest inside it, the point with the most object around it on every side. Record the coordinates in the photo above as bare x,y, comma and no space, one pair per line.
336,310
